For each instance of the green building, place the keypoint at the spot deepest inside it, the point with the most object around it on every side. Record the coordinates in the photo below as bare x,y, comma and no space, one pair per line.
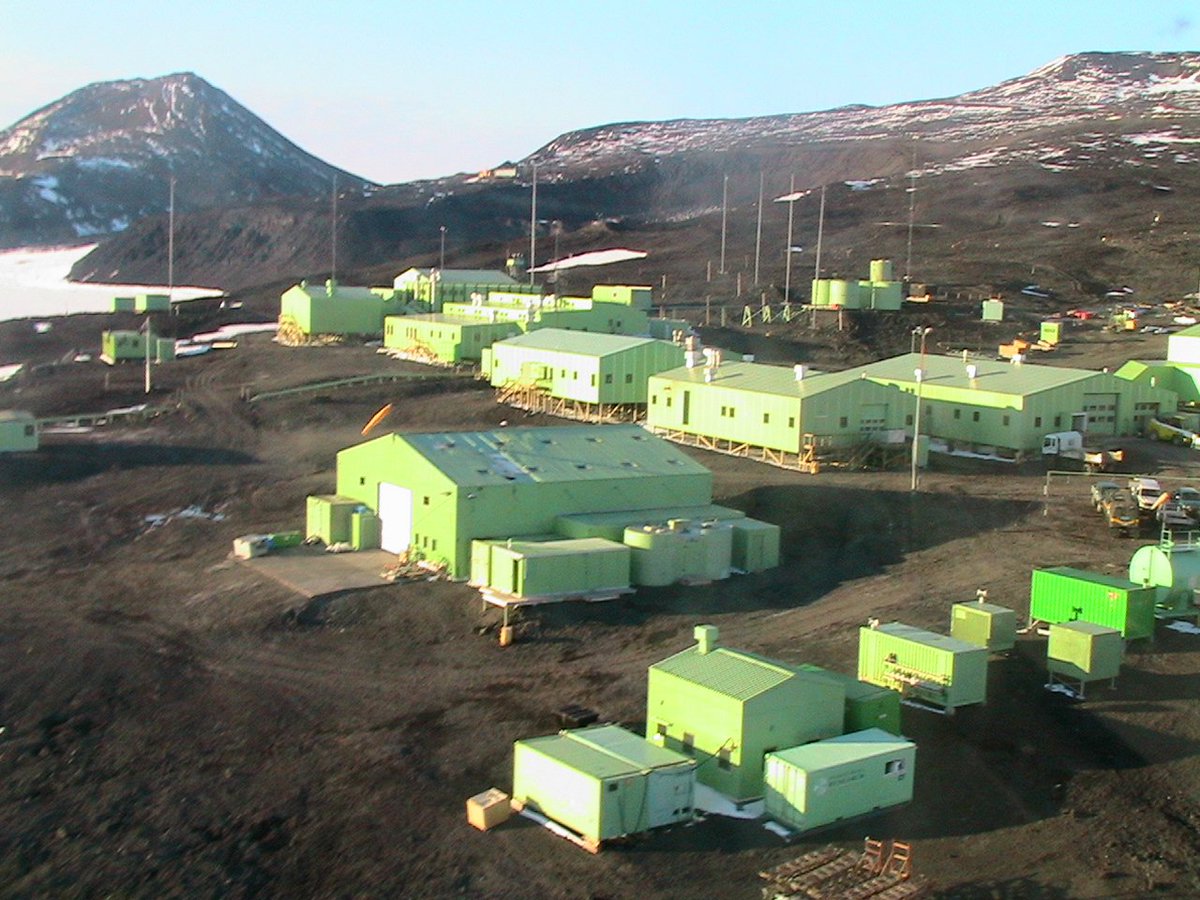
774,407
144,303
1064,594
603,782
728,709
923,666
18,431
130,346
988,407
867,705
443,339
435,287
984,625
604,369
436,493
1179,372
307,311
839,778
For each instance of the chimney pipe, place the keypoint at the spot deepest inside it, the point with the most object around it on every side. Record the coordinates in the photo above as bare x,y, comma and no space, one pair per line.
706,638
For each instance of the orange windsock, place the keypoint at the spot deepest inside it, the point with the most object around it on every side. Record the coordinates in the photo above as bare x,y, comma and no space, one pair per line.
377,418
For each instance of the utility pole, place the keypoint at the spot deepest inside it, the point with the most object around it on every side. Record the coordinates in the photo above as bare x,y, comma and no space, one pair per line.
912,206
758,235
820,232
533,224
442,249
920,376
147,336
333,234
787,267
171,243
724,218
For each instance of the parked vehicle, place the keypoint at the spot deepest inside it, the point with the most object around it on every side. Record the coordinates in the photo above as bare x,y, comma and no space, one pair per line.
1102,491
1173,429
1189,500
1172,516
1145,493
1102,460
1122,514
1070,445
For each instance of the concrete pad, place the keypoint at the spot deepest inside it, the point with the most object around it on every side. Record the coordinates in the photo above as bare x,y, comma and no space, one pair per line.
312,572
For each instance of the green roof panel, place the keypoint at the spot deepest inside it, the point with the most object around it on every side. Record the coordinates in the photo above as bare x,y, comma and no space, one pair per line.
731,673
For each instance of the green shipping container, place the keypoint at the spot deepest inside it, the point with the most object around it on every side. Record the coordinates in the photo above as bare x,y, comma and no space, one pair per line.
984,625
329,518
603,782
1063,594
755,545
364,530
923,666
867,705
843,777
558,568
993,311
1083,652
123,304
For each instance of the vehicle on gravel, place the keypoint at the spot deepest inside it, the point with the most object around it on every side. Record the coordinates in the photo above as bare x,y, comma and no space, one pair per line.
1103,490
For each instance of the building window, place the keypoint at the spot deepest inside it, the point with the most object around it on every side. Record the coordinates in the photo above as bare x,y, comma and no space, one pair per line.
1005,421
362,479
28,431
629,378
1037,421
791,421
894,768
1058,421
908,419
766,418
843,422
668,401
689,743
957,413
654,399
661,730
723,759
593,381
608,378
975,416
425,501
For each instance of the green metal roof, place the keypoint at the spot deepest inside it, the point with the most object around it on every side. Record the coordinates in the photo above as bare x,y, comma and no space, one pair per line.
460,276
732,673
446,319
606,751
855,689
1085,627
581,343
951,372
763,379
846,748
657,516
1094,577
563,547
564,453
1190,332
340,292
929,638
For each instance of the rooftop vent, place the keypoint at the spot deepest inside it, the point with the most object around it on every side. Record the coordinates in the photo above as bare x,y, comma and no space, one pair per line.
972,371
801,371
706,638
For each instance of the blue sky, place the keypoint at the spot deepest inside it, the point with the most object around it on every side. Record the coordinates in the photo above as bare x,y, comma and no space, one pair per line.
400,90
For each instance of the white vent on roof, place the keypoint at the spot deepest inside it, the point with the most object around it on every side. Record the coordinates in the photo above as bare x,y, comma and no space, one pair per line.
801,371
972,371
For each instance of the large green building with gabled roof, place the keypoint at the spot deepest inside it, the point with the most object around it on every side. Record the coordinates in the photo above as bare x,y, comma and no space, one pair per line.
728,708
436,493
582,366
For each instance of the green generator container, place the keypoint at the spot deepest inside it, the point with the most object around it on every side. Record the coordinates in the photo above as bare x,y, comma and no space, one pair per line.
558,568
926,667
1082,652
993,311
867,705
838,778
820,292
680,551
755,545
329,518
123,304
882,270
1051,332
1063,594
984,625
364,530
603,782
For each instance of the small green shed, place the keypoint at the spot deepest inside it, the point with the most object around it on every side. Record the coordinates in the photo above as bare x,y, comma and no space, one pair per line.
984,625
330,518
729,708
571,567
18,431
867,705
1080,652
923,666
755,545
603,782
839,778
1064,594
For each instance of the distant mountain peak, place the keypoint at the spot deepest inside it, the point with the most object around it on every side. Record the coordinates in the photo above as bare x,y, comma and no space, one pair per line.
97,159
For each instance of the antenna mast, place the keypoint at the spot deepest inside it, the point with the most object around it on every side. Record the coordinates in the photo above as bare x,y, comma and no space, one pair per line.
758,236
333,233
912,205
171,242
533,224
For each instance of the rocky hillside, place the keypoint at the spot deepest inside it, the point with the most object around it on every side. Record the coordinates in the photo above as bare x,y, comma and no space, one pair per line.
98,160
1076,176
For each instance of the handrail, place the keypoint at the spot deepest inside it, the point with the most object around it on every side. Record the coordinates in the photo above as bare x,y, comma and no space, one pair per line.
347,382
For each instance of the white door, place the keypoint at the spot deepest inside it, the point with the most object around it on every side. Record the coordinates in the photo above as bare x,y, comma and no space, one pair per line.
395,517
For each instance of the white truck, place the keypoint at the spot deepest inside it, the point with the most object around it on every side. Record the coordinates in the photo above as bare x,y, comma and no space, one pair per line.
1069,445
